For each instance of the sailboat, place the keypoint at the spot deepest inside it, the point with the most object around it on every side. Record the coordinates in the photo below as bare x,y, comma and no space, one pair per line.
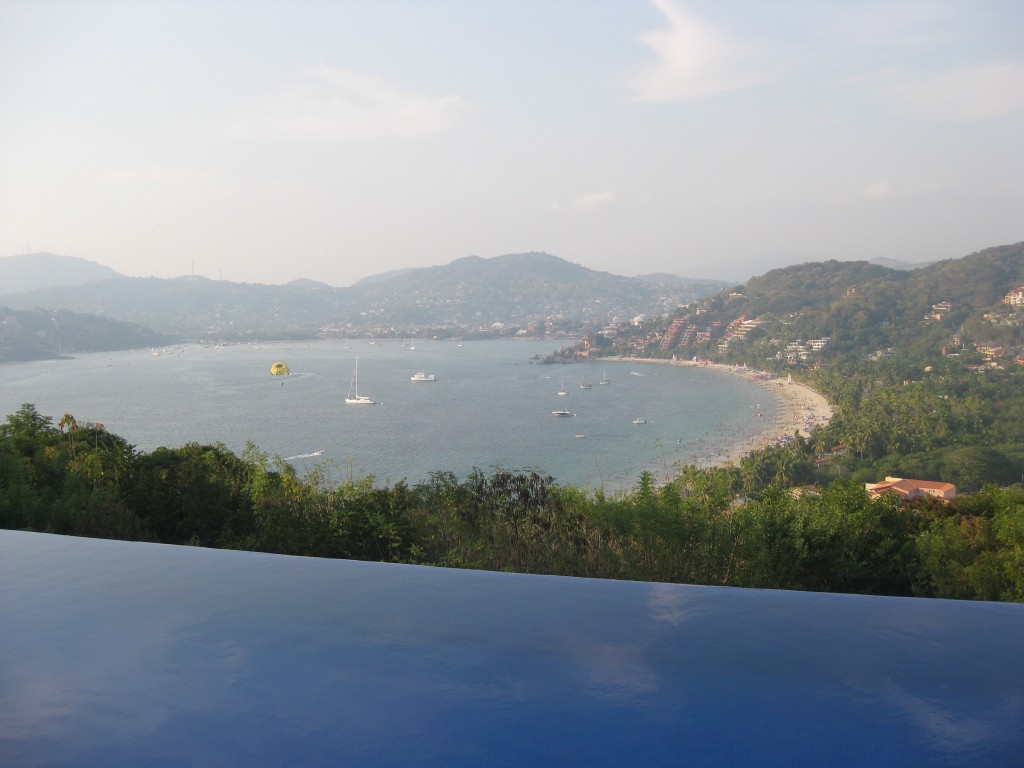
604,378
561,390
354,398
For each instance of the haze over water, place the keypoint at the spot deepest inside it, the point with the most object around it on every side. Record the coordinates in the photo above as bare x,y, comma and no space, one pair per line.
489,407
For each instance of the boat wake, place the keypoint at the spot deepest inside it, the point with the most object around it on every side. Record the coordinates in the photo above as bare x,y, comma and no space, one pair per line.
304,456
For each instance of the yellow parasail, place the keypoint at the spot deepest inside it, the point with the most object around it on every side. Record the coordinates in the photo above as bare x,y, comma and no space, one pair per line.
279,369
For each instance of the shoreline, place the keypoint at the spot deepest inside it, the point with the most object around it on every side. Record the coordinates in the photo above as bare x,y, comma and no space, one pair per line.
800,408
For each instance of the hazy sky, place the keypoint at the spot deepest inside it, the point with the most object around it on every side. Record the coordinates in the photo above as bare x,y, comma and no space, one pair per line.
267,141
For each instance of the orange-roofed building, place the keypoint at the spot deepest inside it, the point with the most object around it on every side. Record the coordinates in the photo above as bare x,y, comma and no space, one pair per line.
909,490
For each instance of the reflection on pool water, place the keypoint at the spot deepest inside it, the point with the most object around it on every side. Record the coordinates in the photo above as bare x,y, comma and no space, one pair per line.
115,653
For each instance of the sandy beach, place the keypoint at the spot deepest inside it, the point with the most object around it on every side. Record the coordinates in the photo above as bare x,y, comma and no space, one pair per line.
800,409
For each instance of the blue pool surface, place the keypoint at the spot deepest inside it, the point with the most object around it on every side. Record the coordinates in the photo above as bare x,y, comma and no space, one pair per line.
129,654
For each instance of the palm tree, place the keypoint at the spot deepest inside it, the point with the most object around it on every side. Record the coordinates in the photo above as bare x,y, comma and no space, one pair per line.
67,420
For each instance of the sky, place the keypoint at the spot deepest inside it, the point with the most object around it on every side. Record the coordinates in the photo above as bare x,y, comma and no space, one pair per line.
268,140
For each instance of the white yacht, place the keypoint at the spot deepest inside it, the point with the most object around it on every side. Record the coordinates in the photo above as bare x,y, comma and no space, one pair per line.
422,376
353,397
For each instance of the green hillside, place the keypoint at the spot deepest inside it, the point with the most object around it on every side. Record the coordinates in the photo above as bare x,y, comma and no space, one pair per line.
862,309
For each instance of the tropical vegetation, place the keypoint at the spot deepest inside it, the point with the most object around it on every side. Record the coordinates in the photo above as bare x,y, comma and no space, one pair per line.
722,526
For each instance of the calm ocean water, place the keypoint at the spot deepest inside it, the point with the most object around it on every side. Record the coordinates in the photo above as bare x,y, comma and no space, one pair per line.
489,407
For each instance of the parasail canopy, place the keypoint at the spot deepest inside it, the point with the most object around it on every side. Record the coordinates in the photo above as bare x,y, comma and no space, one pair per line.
279,369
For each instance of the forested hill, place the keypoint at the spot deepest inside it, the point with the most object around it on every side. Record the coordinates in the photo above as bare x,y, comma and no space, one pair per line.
979,280
862,308
35,334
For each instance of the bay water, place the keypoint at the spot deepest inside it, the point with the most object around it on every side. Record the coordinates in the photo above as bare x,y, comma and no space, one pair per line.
489,407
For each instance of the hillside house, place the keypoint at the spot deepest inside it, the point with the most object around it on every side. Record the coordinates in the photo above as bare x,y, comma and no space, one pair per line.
994,351
1015,298
796,351
909,490
938,310
819,344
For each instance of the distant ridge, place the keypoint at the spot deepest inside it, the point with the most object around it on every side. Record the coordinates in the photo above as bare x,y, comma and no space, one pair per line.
527,293
32,271
382,277
666,278
516,288
537,292
896,264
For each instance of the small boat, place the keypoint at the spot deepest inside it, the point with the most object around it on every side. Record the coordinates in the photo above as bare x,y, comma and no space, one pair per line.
604,378
561,412
421,376
561,391
638,420
353,397
584,384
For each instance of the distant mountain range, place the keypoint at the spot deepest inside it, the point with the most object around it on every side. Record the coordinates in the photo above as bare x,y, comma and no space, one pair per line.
519,290
904,265
868,303
33,271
